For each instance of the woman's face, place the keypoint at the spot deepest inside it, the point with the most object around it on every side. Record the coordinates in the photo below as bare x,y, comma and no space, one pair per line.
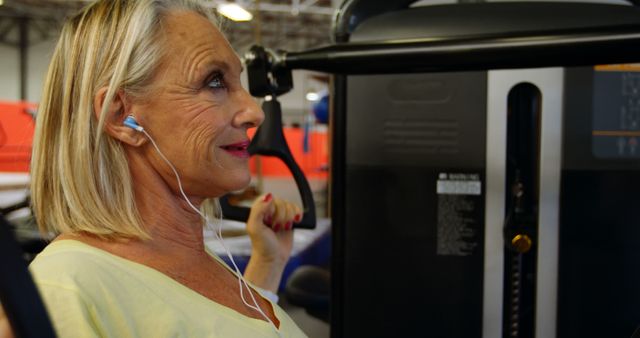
198,113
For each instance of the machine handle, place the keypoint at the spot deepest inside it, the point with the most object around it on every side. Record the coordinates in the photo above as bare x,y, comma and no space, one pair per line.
269,141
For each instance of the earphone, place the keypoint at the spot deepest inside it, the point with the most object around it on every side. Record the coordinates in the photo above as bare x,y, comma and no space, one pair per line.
131,122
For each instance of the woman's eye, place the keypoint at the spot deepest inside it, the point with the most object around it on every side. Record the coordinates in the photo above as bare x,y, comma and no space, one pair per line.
216,82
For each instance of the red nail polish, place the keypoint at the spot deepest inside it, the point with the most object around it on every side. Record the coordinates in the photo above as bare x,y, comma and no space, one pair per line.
298,218
276,227
267,220
288,226
267,198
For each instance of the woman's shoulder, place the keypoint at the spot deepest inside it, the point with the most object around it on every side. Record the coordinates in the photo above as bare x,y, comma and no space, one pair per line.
89,290
70,269
60,251
68,262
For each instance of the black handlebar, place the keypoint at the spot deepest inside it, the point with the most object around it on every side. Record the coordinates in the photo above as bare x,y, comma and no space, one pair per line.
549,49
269,141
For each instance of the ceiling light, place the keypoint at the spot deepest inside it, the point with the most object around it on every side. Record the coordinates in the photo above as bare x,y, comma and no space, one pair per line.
311,96
1,2
233,11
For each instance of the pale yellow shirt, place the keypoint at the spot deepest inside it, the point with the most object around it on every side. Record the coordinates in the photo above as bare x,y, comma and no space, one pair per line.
89,292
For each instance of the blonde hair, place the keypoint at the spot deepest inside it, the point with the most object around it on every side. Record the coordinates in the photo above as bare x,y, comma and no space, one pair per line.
80,178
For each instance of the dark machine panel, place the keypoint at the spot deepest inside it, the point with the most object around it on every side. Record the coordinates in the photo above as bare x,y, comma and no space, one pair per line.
434,120
616,112
415,172
401,269
598,279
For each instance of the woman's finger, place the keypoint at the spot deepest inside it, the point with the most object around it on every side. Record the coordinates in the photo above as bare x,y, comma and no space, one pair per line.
291,215
284,215
261,210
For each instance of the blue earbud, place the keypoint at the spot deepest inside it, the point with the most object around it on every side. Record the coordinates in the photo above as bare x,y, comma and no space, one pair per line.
131,123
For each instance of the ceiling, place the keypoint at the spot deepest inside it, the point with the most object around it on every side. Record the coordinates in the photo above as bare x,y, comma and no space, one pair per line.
278,24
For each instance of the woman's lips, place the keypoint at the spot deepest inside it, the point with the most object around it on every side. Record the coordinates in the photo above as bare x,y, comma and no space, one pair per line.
239,149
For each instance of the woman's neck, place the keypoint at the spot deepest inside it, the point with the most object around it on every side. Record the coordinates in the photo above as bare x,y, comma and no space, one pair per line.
171,222
168,218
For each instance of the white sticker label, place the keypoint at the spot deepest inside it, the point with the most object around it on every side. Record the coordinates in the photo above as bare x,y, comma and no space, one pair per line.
459,184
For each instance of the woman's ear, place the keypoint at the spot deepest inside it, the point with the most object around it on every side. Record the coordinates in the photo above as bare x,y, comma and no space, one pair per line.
115,113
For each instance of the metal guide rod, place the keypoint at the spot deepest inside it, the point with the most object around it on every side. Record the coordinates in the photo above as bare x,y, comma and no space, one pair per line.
616,44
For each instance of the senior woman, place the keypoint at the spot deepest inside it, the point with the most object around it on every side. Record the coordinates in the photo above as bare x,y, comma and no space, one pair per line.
142,124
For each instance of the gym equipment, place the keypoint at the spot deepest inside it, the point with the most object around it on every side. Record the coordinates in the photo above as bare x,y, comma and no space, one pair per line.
484,168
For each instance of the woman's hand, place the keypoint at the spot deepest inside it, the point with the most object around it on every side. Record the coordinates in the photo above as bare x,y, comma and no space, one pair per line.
270,227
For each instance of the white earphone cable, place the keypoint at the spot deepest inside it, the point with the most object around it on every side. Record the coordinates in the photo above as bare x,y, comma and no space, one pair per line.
218,235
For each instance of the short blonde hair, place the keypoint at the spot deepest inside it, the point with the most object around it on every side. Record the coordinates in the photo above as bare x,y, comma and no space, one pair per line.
80,178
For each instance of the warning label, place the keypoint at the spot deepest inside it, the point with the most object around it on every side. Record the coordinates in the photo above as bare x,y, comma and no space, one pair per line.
459,184
459,213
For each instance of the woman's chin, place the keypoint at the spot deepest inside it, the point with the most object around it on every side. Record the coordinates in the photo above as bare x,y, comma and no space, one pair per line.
238,182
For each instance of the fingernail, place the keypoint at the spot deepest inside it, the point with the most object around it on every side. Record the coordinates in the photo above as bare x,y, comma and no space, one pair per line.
276,227
268,220
298,218
288,226
267,198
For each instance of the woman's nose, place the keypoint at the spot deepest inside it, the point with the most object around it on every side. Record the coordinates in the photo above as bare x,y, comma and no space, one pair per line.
248,113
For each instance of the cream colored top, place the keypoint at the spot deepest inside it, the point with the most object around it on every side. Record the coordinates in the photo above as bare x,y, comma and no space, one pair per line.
89,292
